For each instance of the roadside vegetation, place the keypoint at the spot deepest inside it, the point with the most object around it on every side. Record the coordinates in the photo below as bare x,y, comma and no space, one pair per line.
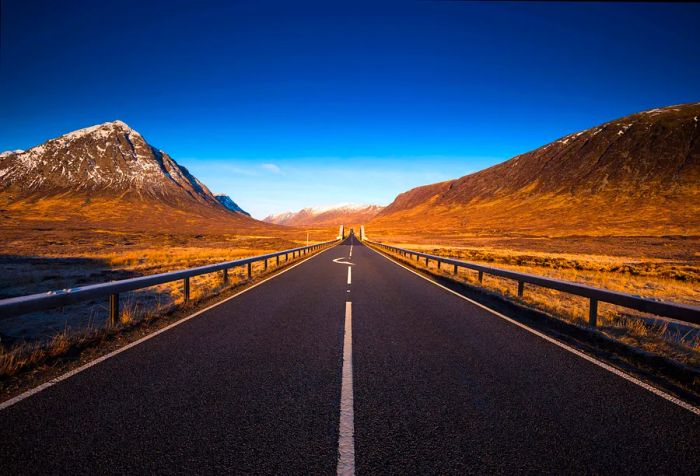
63,336
666,280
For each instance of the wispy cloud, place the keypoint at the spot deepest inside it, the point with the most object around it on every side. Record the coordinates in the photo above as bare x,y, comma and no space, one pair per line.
271,168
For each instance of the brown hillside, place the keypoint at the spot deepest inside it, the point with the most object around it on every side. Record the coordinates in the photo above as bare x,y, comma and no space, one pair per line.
635,176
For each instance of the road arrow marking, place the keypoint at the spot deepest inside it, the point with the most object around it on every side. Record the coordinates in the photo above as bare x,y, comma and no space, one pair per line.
337,260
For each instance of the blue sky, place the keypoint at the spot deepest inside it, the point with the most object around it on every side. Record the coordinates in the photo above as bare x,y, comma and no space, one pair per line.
290,104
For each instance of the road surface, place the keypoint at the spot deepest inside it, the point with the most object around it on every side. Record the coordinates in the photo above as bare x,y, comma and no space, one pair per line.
338,367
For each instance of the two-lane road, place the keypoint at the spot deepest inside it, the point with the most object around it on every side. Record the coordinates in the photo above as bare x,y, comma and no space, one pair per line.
361,367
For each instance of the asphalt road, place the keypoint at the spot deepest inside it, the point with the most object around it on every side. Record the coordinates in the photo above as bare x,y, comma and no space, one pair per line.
435,385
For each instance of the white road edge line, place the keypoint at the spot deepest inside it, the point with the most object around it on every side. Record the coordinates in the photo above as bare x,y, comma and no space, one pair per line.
54,381
349,274
346,431
609,368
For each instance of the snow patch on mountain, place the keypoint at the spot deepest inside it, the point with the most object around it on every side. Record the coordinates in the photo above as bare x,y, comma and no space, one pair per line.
226,201
324,214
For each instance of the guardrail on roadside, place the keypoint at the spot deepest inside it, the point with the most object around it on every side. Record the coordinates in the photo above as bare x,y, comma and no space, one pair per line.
43,301
680,312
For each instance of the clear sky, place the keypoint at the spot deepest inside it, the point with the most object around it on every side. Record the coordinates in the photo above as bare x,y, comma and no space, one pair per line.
290,104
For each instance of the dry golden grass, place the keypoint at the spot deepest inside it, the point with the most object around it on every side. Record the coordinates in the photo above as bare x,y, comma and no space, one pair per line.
139,308
669,280
653,279
29,355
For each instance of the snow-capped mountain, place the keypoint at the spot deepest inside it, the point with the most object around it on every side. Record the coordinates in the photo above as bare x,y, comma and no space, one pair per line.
107,159
328,215
226,201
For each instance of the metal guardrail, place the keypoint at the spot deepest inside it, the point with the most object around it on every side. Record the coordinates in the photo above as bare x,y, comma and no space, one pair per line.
43,301
680,312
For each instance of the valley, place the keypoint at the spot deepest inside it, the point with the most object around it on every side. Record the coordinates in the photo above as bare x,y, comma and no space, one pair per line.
607,207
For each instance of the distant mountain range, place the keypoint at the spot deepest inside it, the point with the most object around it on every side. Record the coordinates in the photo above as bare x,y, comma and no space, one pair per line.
636,175
326,216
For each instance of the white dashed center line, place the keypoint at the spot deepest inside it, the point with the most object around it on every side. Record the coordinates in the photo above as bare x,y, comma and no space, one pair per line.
346,434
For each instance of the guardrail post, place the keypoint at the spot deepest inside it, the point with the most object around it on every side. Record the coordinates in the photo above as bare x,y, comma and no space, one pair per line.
225,273
113,309
277,260
439,264
593,313
521,288
186,289
481,276
250,270
265,264
427,265
455,269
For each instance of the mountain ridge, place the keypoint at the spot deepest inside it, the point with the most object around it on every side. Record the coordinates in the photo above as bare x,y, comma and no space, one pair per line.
227,202
327,215
106,158
639,172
